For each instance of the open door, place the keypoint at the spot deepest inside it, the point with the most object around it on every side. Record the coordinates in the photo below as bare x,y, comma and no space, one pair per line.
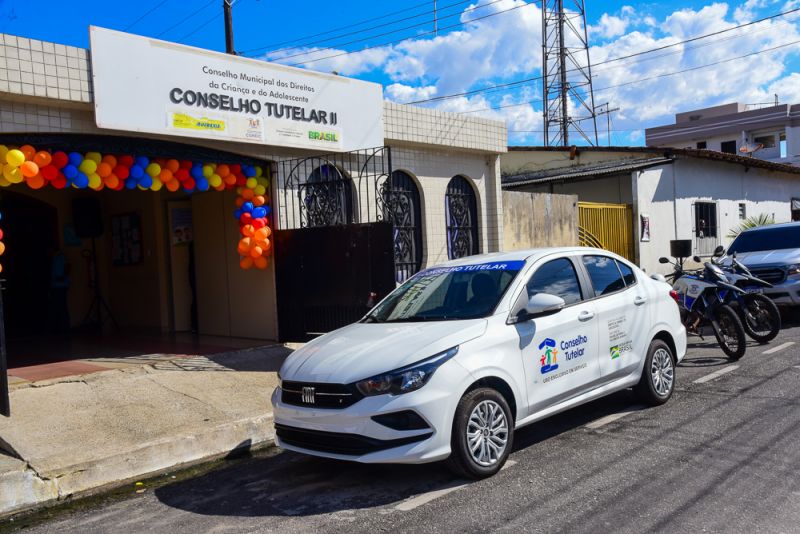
5,403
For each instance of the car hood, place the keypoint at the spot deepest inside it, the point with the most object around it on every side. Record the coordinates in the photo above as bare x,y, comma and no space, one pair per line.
769,257
362,350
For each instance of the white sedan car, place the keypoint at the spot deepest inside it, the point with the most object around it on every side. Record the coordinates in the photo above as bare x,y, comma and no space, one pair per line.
459,356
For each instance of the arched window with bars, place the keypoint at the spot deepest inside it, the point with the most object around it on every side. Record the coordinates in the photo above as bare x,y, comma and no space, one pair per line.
403,208
461,215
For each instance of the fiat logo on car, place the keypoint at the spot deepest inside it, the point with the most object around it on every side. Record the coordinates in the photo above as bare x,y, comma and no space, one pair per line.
308,395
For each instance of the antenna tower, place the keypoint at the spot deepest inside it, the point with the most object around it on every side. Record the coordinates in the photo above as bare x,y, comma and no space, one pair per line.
566,74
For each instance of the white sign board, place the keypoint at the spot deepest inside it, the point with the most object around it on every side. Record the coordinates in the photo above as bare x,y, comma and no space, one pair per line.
147,85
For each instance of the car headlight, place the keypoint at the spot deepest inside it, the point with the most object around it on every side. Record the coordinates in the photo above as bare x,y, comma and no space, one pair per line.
793,270
405,379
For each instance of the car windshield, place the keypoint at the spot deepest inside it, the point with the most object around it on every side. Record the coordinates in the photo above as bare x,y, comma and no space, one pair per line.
447,293
767,239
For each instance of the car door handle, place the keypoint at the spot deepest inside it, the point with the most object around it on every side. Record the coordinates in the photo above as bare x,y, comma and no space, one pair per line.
639,300
585,315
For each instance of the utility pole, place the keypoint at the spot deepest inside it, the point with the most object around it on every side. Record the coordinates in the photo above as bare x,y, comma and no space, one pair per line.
566,73
227,7
607,112
435,20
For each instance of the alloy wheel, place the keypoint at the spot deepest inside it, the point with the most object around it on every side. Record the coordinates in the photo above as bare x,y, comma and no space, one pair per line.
662,372
487,433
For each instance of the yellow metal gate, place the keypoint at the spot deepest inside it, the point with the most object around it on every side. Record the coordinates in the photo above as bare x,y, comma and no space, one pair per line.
607,226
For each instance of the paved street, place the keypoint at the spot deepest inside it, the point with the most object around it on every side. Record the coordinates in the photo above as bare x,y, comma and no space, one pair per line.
721,456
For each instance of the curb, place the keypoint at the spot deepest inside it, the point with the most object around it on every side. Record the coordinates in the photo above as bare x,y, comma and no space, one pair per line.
27,488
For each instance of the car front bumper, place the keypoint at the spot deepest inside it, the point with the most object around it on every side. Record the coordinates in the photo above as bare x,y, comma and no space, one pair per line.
786,293
352,434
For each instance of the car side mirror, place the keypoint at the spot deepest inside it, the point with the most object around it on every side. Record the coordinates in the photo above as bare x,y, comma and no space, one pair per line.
662,259
658,277
719,251
697,259
539,305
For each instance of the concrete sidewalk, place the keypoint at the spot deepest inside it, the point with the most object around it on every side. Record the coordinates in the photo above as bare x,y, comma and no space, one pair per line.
77,435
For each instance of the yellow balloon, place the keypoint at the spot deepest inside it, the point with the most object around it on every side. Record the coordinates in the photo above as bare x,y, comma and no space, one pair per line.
3,152
15,158
157,185
13,174
154,169
208,170
251,183
215,180
94,180
259,171
260,190
88,167
3,181
94,156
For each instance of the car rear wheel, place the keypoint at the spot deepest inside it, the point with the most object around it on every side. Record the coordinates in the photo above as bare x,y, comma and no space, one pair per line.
658,376
483,433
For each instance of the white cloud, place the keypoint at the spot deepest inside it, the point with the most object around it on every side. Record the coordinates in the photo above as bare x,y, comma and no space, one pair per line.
608,27
398,92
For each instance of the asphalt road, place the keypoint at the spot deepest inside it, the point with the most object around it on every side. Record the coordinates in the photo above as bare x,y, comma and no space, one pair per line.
721,456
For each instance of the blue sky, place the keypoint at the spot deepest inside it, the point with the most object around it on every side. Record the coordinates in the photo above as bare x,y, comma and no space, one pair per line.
503,47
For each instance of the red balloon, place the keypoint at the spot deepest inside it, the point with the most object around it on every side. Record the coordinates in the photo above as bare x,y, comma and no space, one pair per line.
186,164
241,181
60,182
182,174
261,222
189,184
50,172
121,172
246,218
125,160
236,168
1,234
60,160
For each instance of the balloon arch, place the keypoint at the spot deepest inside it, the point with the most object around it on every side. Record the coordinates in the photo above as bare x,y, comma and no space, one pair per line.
93,170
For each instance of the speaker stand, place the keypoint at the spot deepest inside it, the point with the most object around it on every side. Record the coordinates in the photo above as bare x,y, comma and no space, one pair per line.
99,307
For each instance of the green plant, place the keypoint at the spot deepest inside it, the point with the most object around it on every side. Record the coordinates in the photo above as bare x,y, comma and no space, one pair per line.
762,219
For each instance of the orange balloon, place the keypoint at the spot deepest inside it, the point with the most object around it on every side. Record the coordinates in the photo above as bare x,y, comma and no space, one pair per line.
269,230
230,179
111,181
36,182
256,251
246,263
173,165
173,185
248,230
166,175
244,245
2,248
247,193
110,160
260,262
258,200
42,158
29,152
239,202
267,244
223,170
104,170
29,169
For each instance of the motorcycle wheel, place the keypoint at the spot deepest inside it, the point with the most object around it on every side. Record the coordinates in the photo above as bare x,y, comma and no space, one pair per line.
760,317
729,332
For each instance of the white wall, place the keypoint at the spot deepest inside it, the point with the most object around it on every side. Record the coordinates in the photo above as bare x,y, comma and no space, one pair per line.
667,193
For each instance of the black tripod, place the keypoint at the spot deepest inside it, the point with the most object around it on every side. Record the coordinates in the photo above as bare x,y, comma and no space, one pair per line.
99,307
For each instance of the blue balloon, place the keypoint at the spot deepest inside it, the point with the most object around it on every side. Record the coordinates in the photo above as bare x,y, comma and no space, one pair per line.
70,172
137,171
201,183
248,207
142,161
131,183
237,214
267,210
197,172
75,158
146,181
249,171
81,181
259,213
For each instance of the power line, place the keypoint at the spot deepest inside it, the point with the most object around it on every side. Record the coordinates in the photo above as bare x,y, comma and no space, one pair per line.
640,80
390,23
186,18
620,58
135,22
365,21
414,37
203,25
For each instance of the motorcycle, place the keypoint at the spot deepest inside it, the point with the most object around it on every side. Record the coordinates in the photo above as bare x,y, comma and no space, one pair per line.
698,296
759,315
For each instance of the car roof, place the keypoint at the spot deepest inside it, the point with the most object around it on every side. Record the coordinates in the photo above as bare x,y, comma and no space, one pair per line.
521,255
773,226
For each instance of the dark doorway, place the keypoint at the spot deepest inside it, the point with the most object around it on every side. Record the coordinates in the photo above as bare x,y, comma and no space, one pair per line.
330,277
30,234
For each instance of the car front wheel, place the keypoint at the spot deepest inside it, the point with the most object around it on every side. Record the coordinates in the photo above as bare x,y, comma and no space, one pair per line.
483,433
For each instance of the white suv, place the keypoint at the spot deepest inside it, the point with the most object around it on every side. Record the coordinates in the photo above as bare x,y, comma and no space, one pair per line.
458,357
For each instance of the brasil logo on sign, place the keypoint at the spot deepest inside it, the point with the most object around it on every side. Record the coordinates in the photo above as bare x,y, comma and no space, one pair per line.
548,357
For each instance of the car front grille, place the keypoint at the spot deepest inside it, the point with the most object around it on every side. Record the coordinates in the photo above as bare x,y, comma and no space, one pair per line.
337,443
773,275
319,395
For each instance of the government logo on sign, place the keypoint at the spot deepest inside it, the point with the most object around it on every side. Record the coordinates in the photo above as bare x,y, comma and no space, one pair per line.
548,358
